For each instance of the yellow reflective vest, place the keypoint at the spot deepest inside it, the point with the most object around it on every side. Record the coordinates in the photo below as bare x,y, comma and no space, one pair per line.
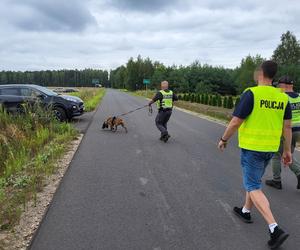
295,106
167,101
262,129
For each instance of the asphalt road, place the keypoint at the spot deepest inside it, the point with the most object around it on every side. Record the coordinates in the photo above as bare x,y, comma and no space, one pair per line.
132,191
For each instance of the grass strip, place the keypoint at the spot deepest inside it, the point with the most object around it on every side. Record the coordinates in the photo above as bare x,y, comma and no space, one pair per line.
91,97
30,144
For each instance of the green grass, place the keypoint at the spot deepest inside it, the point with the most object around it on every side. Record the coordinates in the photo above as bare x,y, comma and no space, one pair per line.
91,97
29,146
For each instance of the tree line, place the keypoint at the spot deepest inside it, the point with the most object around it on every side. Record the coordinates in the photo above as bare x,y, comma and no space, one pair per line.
198,78
60,78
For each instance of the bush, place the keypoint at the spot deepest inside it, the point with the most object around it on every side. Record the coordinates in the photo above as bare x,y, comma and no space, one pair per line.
192,98
225,101
202,99
214,101
198,98
219,101
206,99
189,97
230,103
179,97
210,100
185,97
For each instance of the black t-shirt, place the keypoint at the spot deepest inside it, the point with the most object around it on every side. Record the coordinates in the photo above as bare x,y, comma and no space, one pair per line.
159,96
245,107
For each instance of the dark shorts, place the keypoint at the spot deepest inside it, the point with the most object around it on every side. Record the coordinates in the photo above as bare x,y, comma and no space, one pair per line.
254,165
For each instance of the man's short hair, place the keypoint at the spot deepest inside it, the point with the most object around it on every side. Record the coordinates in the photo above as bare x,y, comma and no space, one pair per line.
269,69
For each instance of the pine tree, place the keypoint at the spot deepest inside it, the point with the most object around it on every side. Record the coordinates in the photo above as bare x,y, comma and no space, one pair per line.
214,101
185,97
206,99
192,98
210,102
197,98
230,103
202,99
225,101
219,101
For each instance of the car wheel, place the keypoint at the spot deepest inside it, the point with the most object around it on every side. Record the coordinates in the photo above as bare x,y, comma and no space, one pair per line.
60,114
20,110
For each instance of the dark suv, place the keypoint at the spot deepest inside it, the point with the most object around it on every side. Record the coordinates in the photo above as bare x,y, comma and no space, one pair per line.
12,97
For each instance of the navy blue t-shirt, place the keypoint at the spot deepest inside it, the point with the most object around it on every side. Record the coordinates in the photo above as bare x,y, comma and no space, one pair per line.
245,107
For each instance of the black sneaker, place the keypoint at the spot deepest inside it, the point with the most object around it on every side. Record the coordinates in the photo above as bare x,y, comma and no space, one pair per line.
298,185
165,138
275,184
245,217
277,238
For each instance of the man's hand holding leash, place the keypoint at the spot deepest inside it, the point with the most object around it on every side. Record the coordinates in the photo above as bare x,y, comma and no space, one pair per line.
222,144
232,127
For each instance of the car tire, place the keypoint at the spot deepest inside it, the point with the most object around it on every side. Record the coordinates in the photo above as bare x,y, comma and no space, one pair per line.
20,110
60,114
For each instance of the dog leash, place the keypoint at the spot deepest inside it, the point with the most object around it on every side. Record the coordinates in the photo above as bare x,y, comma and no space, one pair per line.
131,111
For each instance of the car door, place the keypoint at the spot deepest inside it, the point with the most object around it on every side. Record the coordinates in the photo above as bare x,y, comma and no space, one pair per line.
12,102
32,96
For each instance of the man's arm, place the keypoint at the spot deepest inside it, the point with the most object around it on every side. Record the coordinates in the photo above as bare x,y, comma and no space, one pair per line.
241,112
158,96
175,97
232,127
287,142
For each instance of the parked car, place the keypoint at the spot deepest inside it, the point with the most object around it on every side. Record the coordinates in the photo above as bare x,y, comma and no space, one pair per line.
65,107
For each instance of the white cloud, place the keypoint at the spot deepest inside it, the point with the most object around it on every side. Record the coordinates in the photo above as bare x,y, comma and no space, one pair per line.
78,34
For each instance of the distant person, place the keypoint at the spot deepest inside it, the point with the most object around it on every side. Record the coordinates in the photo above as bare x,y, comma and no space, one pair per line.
287,85
261,117
164,99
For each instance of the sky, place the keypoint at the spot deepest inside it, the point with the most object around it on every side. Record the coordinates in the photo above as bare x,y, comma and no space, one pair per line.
104,34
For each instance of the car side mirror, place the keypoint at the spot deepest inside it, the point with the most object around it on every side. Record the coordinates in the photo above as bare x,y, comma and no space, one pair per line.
41,96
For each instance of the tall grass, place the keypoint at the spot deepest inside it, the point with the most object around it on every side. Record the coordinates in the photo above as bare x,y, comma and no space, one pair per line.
90,96
29,145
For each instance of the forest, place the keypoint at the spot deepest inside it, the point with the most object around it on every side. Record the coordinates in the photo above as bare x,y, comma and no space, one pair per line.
203,78
193,78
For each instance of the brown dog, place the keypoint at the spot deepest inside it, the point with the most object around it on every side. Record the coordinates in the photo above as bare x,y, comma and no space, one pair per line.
113,123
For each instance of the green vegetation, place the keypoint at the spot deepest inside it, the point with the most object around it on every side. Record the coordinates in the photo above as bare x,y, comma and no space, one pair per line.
90,96
190,102
57,78
205,79
29,145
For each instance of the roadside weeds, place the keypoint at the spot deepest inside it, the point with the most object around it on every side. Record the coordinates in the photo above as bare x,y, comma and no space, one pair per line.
21,234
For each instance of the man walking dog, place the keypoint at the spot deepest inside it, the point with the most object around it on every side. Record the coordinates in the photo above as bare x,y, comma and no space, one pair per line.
287,85
164,99
261,117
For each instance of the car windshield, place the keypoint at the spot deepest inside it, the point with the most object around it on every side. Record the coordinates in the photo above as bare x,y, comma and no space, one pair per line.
46,91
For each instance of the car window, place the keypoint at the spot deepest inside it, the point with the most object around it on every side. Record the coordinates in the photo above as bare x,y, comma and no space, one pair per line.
10,91
29,92
26,92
